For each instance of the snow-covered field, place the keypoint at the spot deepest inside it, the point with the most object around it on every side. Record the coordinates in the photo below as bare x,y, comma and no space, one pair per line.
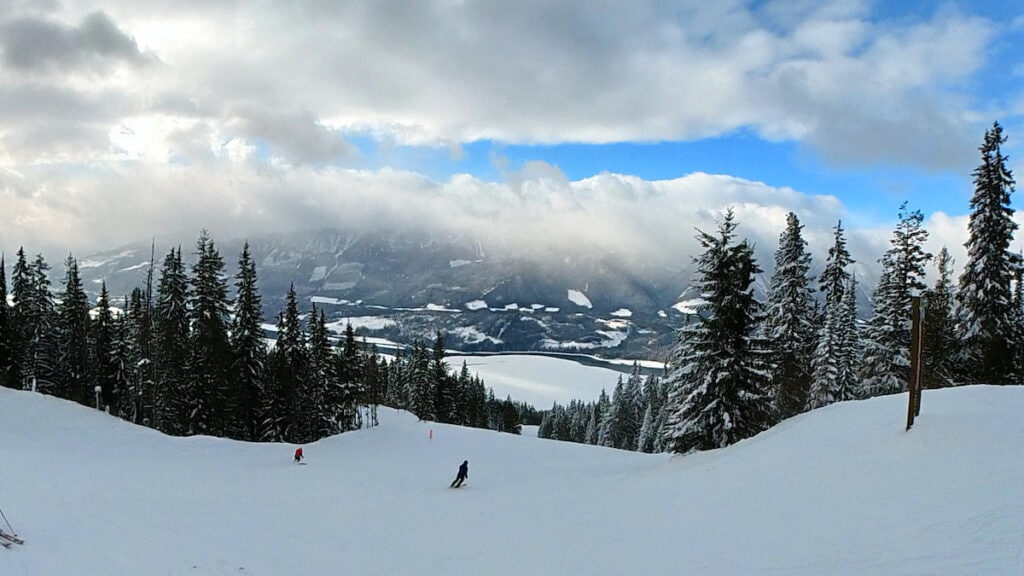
539,380
841,490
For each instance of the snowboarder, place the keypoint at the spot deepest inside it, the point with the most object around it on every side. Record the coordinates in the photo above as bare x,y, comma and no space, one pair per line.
463,474
298,454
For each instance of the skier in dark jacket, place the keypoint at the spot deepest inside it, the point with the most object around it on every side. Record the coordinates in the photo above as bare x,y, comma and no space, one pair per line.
463,474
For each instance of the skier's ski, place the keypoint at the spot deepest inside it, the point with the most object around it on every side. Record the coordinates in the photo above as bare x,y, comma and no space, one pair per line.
8,539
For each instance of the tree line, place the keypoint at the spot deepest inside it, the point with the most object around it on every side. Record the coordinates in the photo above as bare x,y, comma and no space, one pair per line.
741,365
181,355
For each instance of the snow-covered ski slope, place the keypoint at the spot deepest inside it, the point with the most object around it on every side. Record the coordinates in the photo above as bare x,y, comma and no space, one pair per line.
842,490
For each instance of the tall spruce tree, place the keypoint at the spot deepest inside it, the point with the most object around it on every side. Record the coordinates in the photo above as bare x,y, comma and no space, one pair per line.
171,335
103,352
442,383
249,352
985,317
886,364
421,392
351,389
790,322
7,364
938,326
319,384
720,388
287,367
210,356
125,359
72,374
33,319
830,368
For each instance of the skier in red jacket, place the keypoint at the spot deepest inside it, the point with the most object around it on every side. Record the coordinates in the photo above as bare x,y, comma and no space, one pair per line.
298,454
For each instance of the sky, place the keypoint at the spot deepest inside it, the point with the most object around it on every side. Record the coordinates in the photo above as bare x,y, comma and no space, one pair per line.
839,490
622,126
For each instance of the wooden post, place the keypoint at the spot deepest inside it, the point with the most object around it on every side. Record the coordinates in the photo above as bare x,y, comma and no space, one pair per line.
916,361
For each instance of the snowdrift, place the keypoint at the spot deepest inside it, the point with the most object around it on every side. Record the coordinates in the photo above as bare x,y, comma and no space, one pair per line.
841,490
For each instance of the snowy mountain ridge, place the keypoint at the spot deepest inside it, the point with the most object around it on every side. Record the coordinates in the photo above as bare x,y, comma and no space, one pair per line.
493,299
840,490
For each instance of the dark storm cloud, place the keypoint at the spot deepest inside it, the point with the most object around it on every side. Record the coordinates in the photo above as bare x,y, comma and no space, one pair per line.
34,43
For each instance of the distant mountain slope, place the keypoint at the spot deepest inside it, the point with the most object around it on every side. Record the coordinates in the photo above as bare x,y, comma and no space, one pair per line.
841,490
482,297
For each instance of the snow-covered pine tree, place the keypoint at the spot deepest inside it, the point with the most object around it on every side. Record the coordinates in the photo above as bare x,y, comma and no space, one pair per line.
720,380
653,406
126,356
441,382
33,318
6,344
578,416
171,332
286,364
72,379
590,435
210,355
140,336
321,385
249,351
102,332
828,363
602,409
984,308
510,423
938,326
790,320
885,368
631,410
609,432
7,379
835,362
421,397
352,389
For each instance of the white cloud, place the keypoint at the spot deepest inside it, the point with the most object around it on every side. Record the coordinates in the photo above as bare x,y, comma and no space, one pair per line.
144,117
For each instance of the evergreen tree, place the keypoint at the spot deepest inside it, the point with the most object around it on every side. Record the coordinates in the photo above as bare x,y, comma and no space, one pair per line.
287,365
830,362
443,385
249,352
171,333
630,411
352,389
421,393
7,364
609,432
984,308
835,276
510,417
103,353
601,413
123,358
835,361
72,374
720,389
886,364
590,436
319,385
140,339
653,404
940,344
210,356
33,320
790,320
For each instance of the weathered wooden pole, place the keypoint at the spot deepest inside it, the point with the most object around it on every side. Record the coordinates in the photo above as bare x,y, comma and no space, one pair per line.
916,361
